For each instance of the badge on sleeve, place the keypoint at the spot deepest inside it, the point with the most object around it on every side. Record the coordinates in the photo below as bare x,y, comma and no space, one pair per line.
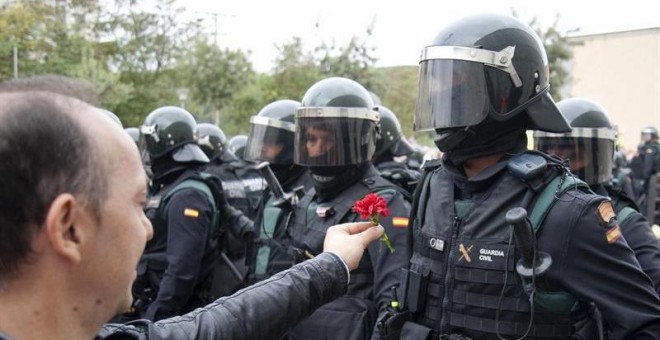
400,222
606,217
605,212
189,212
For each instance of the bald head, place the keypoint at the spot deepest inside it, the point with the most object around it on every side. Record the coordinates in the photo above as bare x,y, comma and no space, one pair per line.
47,149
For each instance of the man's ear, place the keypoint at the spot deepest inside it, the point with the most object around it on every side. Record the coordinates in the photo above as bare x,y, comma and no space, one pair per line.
66,227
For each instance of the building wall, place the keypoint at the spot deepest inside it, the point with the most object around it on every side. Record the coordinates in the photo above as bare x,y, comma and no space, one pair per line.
621,71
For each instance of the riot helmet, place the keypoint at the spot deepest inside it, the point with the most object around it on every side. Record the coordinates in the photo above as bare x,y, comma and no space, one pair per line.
391,137
134,133
171,129
485,69
589,146
375,98
649,134
211,139
335,125
237,145
272,132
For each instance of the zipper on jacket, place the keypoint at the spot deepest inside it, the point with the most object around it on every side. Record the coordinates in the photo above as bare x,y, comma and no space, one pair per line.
446,300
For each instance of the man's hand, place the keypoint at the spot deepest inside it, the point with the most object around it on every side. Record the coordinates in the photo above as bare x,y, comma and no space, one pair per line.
349,240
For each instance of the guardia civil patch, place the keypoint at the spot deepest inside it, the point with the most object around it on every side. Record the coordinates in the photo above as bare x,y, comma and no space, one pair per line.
191,213
605,212
613,234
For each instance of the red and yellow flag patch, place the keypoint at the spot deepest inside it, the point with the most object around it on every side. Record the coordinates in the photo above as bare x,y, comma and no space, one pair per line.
613,234
400,222
191,213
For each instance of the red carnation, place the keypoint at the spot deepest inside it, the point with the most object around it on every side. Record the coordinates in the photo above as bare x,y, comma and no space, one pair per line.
371,207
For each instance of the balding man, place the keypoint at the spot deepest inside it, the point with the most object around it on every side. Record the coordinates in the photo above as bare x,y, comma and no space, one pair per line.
72,229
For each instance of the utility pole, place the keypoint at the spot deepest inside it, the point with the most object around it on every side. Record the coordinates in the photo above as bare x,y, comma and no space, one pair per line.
15,61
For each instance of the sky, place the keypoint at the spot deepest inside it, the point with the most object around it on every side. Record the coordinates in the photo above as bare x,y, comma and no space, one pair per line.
400,28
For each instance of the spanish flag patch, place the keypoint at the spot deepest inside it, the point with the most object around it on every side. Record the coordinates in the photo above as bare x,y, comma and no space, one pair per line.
400,222
613,234
190,213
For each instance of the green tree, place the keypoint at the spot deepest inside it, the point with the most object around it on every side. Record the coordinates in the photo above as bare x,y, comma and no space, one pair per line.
214,77
294,72
559,51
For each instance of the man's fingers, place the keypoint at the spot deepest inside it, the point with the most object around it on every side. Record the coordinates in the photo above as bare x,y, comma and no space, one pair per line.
354,227
370,234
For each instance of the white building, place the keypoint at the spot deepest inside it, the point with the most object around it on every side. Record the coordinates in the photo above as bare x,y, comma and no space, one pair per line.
621,71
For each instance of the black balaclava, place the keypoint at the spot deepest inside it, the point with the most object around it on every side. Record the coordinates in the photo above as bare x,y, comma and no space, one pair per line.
487,138
329,181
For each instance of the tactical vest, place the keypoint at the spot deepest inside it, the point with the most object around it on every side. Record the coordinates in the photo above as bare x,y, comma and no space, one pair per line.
153,262
460,264
272,251
352,316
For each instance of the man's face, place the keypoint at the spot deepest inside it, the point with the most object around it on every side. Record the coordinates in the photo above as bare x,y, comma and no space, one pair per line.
318,141
124,229
270,149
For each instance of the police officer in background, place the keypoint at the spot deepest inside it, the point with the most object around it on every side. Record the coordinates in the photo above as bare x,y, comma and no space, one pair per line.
335,137
589,148
649,160
174,272
391,144
237,145
270,140
483,82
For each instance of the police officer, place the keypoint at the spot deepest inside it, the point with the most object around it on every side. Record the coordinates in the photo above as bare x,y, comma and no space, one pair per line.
649,159
241,197
242,183
483,81
589,147
271,140
173,273
390,144
335,138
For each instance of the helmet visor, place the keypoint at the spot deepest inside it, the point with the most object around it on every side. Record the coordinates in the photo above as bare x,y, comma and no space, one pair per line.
269,140
333,136
451,93
590,157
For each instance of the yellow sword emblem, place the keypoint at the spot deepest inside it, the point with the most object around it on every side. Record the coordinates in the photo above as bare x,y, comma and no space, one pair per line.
465,252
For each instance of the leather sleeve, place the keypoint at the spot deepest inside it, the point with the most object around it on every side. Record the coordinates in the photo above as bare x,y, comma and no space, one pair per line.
265,310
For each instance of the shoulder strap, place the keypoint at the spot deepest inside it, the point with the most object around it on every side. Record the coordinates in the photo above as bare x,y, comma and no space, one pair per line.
547,198
203,183
623,214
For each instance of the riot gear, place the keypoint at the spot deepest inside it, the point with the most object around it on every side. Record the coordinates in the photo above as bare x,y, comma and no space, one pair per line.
272,132
335,125
391,137
172,129
649,133
211,139
589,146
237,144
485,68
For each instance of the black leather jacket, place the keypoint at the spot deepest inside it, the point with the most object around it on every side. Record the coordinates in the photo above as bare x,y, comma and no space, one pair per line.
265,310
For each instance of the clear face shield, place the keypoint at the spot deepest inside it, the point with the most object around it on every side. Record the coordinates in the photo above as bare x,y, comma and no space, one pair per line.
334,136
453,86
268,141
589,151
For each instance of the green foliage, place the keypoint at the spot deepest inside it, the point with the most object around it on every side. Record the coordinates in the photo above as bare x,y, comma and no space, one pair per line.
559,51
